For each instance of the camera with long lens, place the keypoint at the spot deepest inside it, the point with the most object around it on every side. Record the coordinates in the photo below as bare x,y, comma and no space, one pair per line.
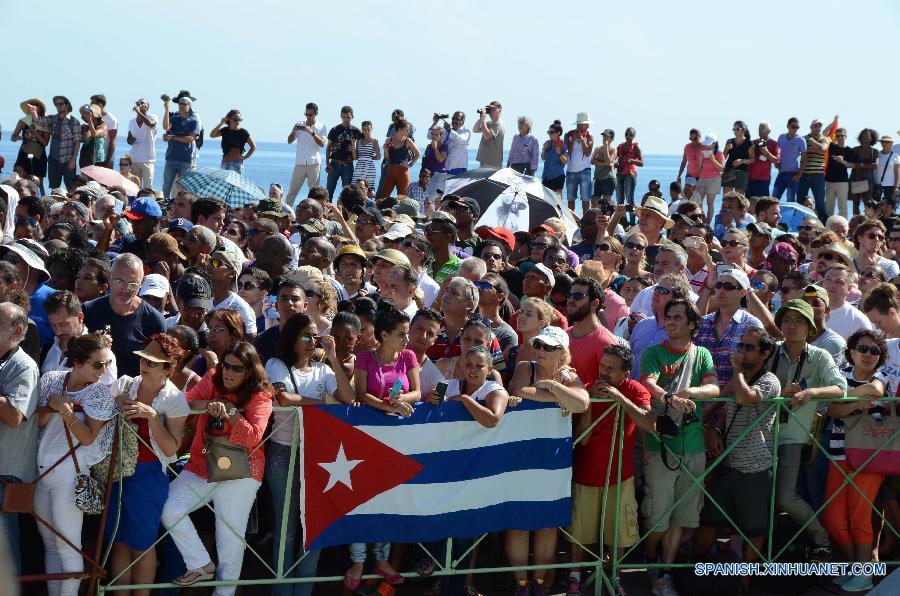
443,116
165,97
485,110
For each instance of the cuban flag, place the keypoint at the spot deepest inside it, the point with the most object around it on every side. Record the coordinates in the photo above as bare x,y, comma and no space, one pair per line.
372,477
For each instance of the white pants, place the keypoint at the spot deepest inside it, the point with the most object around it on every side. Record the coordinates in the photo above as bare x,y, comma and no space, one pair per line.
54,501
232,501
302,173
836,191
144,171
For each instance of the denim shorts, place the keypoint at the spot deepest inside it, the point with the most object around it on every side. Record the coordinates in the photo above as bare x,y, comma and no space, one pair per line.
579,183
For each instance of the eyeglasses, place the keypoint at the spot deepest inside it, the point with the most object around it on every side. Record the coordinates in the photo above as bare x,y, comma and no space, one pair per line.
101,364
247,285
408,244
878,237
868,274
539,345
538,245
742,347
484,285
732,243
122,164
873,350
758,285
603,248
661,291
59,104
727,285
554,260
124,285
216,263
365,222
491,256
793,127
238,368
577,296
149,363
308,339
633,246
805,228
828,256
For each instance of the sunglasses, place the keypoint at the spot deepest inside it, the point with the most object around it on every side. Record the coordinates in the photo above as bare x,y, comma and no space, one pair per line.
484,285
309,339
216,263
554,260
603,248
408,244
633,246
873,350
828,256
538,245
804,228
868,274
101,364
491,256
577,295
742,347
247,285
661,291
539,345
238,368
149,363
878,237
732,243
758,285
727,285
365,222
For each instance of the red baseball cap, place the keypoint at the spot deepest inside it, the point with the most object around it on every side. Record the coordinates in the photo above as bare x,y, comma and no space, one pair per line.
501,234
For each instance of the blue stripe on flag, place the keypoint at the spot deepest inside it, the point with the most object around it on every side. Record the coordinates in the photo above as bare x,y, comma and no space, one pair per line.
468,464
423,413
460,524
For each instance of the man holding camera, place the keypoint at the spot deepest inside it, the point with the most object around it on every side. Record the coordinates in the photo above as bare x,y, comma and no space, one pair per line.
310,136
490,149
142,138
182,129
676,373
457,138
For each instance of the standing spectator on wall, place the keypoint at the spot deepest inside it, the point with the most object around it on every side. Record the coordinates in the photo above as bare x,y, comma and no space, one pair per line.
310,135
490,149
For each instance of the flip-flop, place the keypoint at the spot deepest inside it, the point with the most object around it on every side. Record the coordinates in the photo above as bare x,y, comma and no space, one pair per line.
351,583
193,576
391,578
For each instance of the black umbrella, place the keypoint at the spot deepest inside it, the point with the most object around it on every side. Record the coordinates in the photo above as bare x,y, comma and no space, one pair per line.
510,200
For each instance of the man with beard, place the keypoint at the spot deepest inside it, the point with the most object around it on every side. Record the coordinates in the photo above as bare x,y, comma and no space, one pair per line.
587,336
593,454
806,231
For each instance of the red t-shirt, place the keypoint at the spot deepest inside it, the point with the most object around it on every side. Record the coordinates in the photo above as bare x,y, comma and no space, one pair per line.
591,461
145,453
761,167
586,353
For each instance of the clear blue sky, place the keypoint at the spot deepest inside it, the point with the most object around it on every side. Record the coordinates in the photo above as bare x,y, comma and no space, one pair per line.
662,67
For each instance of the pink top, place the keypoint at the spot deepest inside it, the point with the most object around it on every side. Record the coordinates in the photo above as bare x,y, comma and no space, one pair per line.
379,380
693,155
248,432
708,170
615,308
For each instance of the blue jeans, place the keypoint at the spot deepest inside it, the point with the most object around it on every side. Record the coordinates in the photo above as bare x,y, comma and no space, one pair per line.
815,183
234,166
9,531
342,171
174,169
58,172
278,458
625,188
758,188
381,550
785,182
579,180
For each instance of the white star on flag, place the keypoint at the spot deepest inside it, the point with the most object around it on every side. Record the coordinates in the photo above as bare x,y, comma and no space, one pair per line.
339,470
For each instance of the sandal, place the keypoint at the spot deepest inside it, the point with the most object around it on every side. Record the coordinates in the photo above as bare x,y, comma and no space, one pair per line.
193,576
391,578
425,567
351,583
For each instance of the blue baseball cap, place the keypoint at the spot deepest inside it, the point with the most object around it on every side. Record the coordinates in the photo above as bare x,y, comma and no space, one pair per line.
181,223
143,207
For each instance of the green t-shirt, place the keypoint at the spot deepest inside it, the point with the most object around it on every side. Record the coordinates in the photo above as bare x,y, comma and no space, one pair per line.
449,269
662,362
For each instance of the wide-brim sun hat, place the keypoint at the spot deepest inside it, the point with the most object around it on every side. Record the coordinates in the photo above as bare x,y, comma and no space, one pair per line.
35,101
710,139
659,207
583,118
154,353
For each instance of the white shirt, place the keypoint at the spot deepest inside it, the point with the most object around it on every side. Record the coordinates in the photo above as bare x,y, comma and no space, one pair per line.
169,402
888,180
578,160
315,383
429,287
643,302
429,377
479,394
847,319
457,148
237,303
53,361
308,151
891,367
112,123
144,148
411,310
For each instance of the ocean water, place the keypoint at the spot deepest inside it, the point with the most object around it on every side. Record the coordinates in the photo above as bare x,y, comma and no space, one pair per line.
274,162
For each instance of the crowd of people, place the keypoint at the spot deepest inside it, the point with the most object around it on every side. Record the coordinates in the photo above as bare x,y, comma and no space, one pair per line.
378,290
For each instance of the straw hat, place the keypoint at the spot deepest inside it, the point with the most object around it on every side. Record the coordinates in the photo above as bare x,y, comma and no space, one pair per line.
154,353
42,107
659,207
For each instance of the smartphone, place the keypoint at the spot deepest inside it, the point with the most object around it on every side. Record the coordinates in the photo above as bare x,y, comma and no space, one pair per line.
440,391
691,242
118,207
396,389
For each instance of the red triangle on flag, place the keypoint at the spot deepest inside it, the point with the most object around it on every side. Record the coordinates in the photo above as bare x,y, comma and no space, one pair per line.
335,455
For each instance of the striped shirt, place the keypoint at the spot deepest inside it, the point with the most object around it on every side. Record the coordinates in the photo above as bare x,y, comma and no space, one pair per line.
815,161
754,452
836,443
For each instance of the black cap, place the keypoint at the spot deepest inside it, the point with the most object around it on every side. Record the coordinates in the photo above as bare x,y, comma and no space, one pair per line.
470,204
374,214
195,292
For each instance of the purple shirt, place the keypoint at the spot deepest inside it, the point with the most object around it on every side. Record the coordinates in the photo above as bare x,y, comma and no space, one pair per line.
524,150
430,162
790,153
379,380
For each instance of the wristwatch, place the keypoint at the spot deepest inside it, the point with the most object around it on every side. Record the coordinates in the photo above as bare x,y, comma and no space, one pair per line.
667,397
232,411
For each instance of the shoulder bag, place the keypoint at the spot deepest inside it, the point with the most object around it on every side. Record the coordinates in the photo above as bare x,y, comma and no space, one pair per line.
225,460
859,187
864,435
126,463
88,492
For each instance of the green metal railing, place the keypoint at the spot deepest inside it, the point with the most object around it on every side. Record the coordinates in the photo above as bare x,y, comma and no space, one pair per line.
601,581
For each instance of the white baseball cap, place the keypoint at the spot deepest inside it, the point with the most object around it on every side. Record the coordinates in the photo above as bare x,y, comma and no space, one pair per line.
154,285
552,336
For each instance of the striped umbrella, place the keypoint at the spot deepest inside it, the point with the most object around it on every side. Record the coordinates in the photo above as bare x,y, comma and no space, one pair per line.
227,185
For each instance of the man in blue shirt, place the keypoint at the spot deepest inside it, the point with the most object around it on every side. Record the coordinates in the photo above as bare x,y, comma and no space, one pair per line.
791,145
27,256
182,128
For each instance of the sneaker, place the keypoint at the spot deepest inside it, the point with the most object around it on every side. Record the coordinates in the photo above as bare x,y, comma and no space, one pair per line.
522,590
574,588
664,586
858,583
820,554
